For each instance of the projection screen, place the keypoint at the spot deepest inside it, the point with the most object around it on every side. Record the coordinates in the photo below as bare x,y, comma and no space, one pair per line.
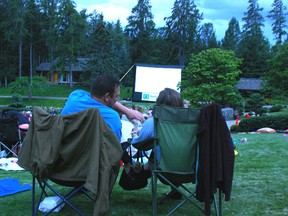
151,79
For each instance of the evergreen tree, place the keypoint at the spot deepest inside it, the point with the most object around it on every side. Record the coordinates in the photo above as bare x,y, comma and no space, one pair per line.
14,27
120,52
254,47
232,36
279,26
208,36
140,30
49,10
277,76
8,50
31,17
181,31
70,31
101,59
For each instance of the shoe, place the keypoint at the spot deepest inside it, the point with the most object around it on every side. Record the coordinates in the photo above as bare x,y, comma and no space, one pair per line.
175,195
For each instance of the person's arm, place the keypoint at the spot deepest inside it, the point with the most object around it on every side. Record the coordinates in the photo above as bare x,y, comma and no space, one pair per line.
130,113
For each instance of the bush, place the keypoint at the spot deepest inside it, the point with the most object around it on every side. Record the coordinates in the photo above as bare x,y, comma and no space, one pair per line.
253,124
17,101
234,128
276,108
255,103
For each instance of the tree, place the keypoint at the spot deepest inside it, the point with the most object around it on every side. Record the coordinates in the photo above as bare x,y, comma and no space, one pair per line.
277,14
140,30
31,17
254,47
100,57
232,36
277,76
70,32
14,26
7,50
255,103
181,31
211,76
208,36
120,52
50,13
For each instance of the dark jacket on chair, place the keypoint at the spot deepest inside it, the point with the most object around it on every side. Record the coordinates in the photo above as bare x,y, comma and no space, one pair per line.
75,147
216,156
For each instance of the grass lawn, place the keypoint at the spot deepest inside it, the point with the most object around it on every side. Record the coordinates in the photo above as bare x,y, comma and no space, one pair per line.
259,185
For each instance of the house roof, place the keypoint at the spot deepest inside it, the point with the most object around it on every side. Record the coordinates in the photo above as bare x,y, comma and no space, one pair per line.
253,84
79,66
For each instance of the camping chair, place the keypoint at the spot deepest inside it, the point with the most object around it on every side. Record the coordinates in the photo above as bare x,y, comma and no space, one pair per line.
78,153
175,159
10,137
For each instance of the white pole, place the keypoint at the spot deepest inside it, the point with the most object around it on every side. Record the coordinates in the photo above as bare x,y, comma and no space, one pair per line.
126,73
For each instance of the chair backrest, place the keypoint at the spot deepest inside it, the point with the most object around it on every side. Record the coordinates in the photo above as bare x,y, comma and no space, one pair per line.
9,130
176,129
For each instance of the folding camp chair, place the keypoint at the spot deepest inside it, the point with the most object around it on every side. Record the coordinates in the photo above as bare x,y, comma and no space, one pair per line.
78,151
10,137
175,159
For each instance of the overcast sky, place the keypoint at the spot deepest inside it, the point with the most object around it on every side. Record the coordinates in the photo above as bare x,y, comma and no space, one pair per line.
218,12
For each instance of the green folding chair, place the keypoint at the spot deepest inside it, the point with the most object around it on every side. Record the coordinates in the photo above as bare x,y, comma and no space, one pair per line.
175,155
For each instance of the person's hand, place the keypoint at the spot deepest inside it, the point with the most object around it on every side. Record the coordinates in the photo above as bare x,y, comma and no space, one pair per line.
135,114
134,132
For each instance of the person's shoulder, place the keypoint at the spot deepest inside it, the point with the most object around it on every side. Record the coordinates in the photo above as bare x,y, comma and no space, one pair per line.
79,92
148,122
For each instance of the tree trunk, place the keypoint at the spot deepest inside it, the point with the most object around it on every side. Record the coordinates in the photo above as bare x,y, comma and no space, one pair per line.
31,71
20,57
70,75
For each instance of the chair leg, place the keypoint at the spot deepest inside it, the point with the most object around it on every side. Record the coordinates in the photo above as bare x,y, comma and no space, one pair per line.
9,151
218,207
33,196
215,205
220,203
154,193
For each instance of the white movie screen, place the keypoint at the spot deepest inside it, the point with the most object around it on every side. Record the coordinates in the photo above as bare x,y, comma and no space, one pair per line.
151,79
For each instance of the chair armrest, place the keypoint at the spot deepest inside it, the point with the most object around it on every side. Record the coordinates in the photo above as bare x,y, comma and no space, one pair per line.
146,144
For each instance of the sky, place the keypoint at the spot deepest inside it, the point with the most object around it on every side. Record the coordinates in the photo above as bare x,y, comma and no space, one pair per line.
218,12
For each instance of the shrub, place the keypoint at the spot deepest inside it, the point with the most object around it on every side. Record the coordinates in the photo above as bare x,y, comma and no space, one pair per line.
255,103
252,124
17,101
276,108
234,128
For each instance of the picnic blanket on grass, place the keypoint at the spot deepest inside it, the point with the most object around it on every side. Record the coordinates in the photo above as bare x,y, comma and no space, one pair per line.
9,186
9,164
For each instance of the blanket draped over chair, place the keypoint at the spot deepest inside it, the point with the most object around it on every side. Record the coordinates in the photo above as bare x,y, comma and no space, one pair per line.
74,147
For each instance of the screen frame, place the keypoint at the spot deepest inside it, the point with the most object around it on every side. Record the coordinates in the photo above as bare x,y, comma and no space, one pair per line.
148,96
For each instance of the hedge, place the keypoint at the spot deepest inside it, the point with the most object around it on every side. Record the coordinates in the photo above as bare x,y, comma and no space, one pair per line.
279,122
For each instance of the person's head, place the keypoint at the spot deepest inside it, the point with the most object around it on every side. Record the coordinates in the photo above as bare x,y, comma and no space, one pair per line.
186,103
170,97
106,89
149,113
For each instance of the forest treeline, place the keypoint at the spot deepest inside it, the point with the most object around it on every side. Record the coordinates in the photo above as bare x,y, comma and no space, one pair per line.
37,31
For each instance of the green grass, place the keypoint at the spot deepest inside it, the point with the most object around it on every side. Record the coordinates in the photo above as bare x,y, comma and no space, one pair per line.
61,91
259,185
54,90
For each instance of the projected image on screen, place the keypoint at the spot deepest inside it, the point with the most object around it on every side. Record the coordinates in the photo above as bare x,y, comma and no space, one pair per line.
151,79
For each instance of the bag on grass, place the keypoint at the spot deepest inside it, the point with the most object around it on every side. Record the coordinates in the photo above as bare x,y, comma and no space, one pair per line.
134,180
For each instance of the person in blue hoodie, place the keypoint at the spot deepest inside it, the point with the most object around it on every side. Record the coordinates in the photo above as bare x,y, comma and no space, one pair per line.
104,94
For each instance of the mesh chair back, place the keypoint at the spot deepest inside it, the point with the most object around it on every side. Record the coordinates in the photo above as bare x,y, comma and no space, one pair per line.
9,130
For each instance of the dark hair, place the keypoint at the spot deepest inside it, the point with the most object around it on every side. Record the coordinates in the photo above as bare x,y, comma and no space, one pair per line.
104,84
170,97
